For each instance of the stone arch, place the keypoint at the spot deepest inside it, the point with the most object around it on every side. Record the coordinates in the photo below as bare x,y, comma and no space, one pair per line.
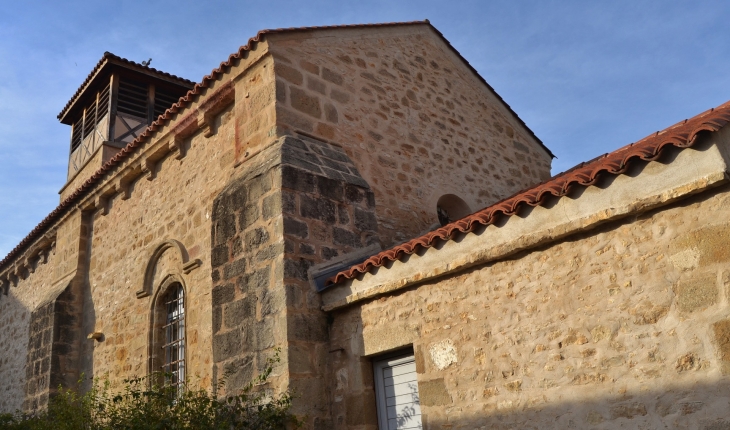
187,264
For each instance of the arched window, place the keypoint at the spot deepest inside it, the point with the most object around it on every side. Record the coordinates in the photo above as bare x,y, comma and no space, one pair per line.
167,343
174,332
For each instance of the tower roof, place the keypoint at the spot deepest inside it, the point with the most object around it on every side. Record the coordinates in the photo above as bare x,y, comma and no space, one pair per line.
108,64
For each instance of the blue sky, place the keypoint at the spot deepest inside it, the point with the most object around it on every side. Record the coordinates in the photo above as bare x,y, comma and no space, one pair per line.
586,76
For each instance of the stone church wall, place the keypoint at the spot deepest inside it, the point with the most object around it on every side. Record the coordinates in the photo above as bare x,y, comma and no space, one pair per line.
623,326
247,262
415,120
175,205
282,215
328,212
16,311
172,203
53,349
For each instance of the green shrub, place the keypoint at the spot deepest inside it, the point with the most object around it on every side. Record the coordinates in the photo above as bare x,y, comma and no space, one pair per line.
144,404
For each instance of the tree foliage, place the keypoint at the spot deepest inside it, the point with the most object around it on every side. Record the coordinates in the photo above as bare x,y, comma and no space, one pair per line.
145,404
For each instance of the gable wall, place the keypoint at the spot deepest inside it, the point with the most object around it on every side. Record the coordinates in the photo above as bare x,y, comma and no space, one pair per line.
414,119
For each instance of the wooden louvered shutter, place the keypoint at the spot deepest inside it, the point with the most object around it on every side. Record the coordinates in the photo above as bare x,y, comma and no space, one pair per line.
132,98
164,99
396,392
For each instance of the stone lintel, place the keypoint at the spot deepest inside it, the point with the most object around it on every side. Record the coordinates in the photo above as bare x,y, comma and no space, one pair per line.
677,174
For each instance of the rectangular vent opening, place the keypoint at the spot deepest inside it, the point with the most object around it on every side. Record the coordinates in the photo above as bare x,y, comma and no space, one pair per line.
90,121
132,98
163,100
103,107
76,134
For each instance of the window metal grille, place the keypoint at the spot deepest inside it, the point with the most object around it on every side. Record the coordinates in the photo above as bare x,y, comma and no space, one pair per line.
174,347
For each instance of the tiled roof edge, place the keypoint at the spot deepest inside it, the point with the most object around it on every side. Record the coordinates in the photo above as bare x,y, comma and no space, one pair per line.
161,120
681,135
104,59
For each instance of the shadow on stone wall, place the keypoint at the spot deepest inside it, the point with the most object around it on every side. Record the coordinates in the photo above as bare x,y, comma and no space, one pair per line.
88,325
700,406
597,404
14,326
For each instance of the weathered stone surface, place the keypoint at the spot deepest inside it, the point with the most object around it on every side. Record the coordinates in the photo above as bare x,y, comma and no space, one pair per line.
433,393
305,103
721,331
290,74
317,208
629,410
226,345
306,327
234,313
360,409
697,293
346,238
708,241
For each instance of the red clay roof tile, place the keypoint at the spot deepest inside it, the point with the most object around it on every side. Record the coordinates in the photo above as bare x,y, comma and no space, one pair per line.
681,135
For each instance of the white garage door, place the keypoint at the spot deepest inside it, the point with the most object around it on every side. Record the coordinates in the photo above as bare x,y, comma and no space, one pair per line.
396,390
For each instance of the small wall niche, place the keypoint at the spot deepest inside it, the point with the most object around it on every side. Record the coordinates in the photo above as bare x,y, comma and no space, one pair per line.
451,207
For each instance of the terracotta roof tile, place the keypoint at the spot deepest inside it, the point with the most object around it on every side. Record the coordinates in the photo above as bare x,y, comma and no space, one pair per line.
681,135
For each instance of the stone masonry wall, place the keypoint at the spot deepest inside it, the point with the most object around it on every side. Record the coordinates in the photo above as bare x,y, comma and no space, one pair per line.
175,202
625,326
328,211
16,313
53,349
415,120
247,294
175,205
38,368
296,204
46,299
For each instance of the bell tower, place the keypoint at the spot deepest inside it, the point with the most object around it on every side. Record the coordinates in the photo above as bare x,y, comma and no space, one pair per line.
113,106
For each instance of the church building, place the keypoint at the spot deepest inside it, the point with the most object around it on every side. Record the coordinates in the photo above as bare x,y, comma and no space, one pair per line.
360,198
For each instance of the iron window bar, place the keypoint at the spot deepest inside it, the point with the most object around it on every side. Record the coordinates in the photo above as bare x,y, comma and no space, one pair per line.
174,347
